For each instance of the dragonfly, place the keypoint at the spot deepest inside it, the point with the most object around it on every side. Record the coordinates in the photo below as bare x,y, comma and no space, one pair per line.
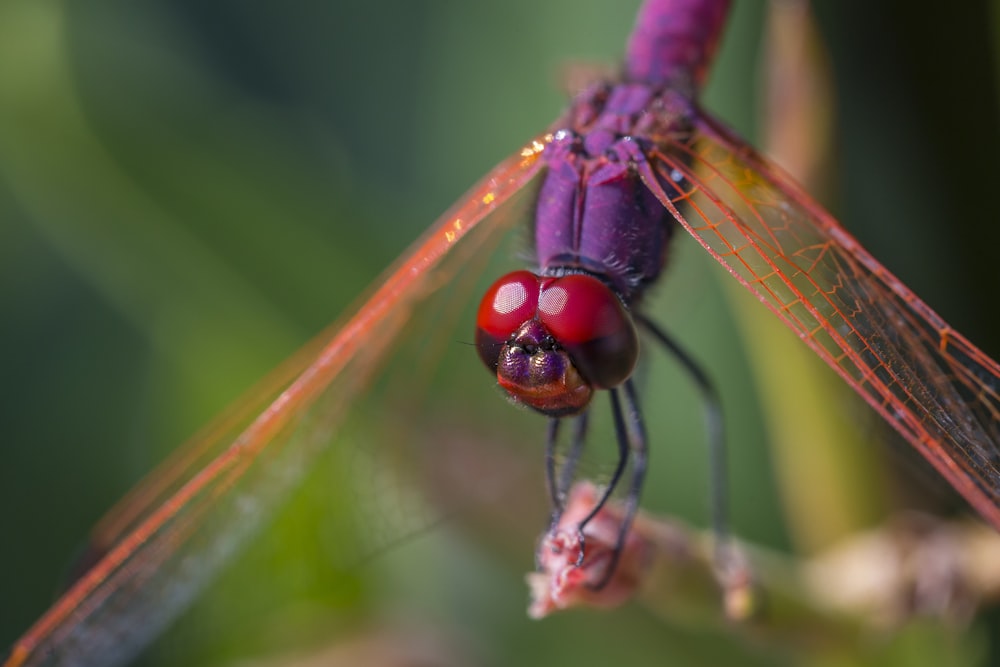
925,379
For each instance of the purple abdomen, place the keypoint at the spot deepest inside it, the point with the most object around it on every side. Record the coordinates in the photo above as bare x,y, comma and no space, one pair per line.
673,42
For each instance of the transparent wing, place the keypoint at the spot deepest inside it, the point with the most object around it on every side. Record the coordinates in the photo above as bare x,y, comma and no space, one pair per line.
936,388
154,552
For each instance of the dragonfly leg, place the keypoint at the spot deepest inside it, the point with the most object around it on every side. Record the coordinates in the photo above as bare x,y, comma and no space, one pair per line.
623,438
573,455
559,483
715,434
631,433
555,491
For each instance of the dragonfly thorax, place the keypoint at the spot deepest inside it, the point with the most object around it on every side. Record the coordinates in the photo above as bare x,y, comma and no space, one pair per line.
595,213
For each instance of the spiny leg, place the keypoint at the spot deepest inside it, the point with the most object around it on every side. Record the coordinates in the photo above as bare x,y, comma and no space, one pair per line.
634,431
715,434
573,455
640,449
622,439
559,484
551,440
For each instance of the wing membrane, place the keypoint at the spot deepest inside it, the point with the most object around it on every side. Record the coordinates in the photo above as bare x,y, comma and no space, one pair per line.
936,388
156,550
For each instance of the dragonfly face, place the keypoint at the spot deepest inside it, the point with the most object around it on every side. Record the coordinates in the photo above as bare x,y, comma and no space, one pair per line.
552,341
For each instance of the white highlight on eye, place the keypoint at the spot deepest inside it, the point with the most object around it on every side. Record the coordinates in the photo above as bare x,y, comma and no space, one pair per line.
553,300
509,298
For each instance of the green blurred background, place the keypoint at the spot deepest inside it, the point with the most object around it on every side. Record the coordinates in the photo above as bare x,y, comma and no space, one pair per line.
189,191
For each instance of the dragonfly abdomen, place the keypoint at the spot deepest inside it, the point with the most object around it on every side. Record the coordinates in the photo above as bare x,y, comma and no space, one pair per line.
674,41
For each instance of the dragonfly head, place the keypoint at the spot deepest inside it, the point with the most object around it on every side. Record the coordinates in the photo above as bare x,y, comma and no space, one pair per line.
552,341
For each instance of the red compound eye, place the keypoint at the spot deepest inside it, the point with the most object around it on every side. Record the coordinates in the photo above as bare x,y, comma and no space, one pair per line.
507,304
553,336
592,325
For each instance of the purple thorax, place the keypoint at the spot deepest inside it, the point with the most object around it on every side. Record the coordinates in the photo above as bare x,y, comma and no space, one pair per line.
594,213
